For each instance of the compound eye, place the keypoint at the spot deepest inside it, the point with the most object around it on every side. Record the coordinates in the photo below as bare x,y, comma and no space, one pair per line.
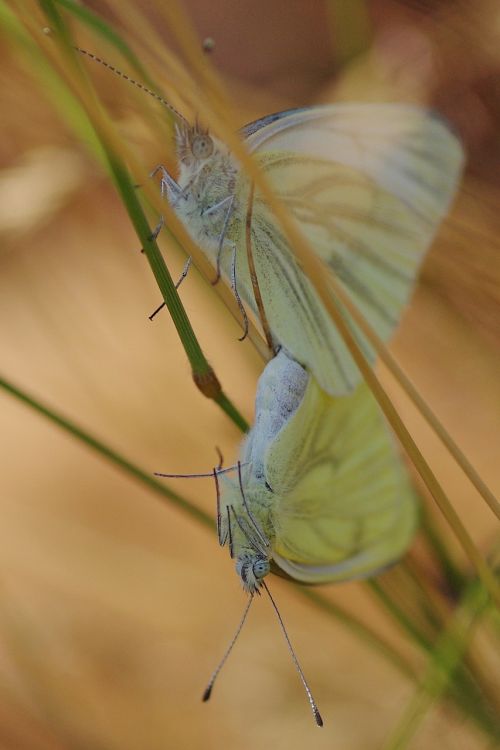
202,146
261,568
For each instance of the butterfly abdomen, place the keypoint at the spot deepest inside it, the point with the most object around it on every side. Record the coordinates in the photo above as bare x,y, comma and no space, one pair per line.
279,393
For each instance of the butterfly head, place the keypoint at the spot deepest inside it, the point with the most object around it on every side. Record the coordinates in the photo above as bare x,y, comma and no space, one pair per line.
194,144
252,567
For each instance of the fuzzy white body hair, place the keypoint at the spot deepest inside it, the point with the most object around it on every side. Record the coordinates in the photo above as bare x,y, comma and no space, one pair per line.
202,205
280,391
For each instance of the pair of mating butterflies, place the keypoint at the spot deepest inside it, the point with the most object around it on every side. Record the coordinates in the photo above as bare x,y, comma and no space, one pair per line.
321,493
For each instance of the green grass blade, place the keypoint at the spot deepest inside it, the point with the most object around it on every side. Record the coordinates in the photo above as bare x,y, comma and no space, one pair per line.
85,117
465,690
350,29
203,374
398,615
362,631
134,471
450,571
446,658
96,24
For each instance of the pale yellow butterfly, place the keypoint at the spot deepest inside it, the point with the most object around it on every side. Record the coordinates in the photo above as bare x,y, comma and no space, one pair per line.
322,493
367,184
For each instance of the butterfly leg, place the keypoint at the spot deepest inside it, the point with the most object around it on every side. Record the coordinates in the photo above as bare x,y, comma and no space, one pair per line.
256,525
229,534
179,281
222,537
253,273
169,188
249,534
156,231
237,296
220,241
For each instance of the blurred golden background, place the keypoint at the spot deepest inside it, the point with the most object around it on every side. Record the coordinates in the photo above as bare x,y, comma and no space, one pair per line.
115,607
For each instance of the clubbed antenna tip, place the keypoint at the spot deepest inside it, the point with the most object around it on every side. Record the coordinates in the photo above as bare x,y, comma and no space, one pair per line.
208,693
317,716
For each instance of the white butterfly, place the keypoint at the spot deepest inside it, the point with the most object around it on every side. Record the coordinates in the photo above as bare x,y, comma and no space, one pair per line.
322,493
367,184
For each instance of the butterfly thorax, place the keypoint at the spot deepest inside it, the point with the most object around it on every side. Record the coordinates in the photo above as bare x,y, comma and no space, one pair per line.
207,181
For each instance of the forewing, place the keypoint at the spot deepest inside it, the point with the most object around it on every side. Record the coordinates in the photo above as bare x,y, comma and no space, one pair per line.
344,507
368,186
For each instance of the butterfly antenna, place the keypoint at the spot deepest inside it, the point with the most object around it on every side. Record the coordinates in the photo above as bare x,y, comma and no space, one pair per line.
314,708
138,85
198,476
208,690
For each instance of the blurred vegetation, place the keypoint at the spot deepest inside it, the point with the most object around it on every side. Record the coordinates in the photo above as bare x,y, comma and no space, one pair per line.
107,621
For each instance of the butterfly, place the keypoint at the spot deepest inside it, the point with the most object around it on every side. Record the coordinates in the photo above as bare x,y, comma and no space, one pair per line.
367,184
322,494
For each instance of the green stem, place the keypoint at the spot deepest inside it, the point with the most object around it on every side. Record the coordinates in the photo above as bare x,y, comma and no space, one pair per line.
99,447
203,373
350,29
465,690
228,407
398,615
362,631
442,667
452,574
104,30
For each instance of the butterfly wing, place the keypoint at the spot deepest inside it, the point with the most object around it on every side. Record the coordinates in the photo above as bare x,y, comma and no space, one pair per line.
343,504
368,186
